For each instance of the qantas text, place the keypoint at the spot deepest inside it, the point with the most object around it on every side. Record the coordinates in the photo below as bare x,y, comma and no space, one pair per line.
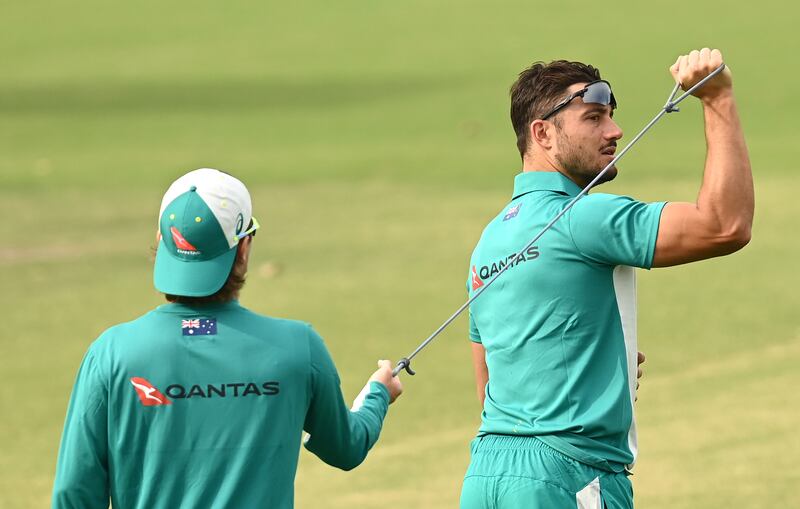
234,390
488,271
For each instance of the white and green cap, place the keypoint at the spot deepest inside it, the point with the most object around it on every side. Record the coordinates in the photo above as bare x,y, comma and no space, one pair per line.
203,216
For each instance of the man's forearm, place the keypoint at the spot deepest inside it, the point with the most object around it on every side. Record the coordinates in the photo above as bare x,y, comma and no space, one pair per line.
481,371
726,195
340,437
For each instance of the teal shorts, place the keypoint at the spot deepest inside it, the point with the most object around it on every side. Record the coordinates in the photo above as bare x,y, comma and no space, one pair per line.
508,472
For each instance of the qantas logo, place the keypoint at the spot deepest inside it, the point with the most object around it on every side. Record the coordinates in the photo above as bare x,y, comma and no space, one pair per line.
181,243
476,281
234,390
487,271
148,395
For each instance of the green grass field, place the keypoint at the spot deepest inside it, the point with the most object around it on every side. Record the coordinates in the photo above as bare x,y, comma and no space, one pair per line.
375,140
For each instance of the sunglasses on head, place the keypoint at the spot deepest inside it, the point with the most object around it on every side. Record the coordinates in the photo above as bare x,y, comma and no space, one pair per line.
251,230
596,92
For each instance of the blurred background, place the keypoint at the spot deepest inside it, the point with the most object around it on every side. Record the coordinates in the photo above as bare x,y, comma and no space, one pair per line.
374,137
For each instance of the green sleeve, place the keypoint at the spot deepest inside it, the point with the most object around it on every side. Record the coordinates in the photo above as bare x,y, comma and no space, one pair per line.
474,334
338,436
615,230
82,469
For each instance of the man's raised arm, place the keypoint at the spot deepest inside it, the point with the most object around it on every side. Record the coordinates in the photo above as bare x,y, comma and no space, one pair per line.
719,222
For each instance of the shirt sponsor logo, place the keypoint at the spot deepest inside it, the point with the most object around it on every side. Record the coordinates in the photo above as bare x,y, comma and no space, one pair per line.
199,327
183,245
476,281
512,212
488,271
148,395
231,390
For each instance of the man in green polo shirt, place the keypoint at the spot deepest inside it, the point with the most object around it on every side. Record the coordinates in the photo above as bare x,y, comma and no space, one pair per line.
201,402
554,339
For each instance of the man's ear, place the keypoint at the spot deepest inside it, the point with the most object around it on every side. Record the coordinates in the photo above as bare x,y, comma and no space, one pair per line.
541,134
243,251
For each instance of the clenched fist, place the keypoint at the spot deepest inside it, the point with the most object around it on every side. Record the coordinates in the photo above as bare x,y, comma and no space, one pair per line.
689,69
384,376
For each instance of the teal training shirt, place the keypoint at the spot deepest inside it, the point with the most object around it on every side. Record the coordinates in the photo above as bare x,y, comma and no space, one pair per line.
559,326
205,407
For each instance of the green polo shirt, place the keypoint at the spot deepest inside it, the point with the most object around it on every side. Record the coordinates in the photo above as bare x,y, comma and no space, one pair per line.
559,326
205,407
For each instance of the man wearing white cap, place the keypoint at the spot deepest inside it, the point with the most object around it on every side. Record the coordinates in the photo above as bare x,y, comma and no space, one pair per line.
201,402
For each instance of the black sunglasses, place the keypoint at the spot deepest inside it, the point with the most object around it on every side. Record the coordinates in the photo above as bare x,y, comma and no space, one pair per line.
596,92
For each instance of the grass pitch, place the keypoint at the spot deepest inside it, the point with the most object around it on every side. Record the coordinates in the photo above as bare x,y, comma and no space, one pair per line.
375,140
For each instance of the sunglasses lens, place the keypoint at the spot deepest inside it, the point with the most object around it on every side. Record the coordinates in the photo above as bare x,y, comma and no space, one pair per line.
599,93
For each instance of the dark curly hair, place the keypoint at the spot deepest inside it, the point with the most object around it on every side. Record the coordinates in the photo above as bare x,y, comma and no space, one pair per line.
539,88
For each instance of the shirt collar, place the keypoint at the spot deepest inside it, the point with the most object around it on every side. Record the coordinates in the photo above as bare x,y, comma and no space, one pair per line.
529,181
198,309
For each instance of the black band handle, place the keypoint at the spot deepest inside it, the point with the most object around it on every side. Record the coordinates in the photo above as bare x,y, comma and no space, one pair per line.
402,364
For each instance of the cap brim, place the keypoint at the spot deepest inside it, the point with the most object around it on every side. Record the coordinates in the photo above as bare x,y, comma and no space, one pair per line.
174,276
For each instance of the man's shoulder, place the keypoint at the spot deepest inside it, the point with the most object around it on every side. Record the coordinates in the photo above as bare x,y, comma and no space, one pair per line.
127,327
120,333
598,206
502,218
287,325
301,334
604,198
245,313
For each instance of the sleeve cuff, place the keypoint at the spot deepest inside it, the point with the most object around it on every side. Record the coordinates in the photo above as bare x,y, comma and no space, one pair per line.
372,388
379,388
651,251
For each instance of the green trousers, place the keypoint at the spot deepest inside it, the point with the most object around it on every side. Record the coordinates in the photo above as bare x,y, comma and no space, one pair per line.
509,472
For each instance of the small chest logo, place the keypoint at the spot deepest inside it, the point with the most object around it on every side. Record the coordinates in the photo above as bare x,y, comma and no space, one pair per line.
148,395
512,212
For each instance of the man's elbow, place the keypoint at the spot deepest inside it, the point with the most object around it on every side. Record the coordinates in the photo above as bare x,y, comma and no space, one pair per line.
346,459
74,496
743,236
734,239
63,497
351,461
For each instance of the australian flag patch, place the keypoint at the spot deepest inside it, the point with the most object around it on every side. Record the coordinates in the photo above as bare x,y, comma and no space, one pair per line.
199,327
512,212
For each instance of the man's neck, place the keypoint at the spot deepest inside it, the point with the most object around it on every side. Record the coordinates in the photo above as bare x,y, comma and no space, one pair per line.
539,163
544,164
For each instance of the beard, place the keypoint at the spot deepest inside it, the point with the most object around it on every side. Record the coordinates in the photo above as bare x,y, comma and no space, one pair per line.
581,165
